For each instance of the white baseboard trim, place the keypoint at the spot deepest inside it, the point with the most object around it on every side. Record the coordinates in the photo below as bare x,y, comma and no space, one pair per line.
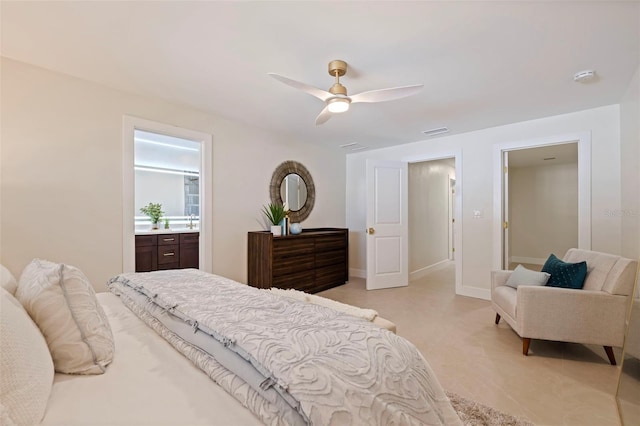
419,273
357,273
530,260
478,293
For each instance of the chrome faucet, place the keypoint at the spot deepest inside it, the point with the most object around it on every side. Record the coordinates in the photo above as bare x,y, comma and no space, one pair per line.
191,216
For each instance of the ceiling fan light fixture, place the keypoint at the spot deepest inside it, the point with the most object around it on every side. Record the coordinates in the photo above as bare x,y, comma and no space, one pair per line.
338,105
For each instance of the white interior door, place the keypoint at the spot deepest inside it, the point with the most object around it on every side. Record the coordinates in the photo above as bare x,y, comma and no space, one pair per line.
387,224
505,210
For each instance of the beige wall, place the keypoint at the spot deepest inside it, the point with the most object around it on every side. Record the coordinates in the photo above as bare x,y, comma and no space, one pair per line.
543,211
476,185
429,213
61,173
630,170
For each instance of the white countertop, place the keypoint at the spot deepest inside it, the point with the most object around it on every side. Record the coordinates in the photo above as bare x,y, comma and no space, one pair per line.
166,231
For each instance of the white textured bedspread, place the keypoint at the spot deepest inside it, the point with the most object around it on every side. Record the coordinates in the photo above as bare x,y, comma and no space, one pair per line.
339,369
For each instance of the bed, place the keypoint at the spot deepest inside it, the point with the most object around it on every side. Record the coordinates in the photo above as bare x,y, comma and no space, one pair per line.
148,381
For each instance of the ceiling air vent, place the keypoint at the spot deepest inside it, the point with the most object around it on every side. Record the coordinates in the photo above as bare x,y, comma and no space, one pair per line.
437,131
353,146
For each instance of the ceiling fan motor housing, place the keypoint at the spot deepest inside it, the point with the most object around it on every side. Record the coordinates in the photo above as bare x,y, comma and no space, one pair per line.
337,69
337,66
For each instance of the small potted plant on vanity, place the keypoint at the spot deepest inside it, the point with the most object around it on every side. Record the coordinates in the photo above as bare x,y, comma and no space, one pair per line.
154,211
275,213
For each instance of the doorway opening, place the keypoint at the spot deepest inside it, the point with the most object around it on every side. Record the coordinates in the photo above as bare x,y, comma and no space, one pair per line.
387,211
542,196
172,166
167,172
431,216
541,202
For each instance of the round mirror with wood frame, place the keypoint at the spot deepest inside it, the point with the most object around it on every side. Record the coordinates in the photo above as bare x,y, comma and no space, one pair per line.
281,172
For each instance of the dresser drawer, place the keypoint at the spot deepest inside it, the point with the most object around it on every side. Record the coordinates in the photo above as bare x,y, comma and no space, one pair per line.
331,275
331,258
293,264
299,280
330,242
290,247
168,239
168,254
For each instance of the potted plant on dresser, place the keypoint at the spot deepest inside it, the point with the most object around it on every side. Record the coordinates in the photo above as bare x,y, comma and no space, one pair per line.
275,213
154,211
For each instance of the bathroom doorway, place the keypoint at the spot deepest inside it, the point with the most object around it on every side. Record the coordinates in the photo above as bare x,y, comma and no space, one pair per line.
171,166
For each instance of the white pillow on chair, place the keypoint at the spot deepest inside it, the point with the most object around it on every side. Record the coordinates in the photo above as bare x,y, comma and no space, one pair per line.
524,276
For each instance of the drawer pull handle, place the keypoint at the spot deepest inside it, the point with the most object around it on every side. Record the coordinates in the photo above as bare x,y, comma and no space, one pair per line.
169,254
168,239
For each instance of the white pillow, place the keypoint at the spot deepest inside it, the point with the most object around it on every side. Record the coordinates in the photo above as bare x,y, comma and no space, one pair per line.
7,280
524,276
26,368
63,304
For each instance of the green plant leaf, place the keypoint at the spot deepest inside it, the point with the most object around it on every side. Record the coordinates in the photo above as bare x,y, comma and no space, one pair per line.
153,210
274,212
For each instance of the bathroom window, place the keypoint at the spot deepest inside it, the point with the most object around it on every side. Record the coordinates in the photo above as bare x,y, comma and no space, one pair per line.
192,195
167,171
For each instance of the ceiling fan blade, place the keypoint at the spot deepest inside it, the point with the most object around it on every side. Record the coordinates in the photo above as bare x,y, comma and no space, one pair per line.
323,116
314,91
383,95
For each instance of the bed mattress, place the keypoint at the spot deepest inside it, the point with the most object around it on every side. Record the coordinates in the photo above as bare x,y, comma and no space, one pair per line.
148,383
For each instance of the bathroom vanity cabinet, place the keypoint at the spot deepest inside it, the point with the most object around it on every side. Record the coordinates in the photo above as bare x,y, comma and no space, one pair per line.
167,251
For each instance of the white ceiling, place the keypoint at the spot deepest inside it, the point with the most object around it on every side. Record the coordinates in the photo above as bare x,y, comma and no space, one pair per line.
483,64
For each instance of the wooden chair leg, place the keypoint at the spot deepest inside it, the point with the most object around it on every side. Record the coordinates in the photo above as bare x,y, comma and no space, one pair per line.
612,357
526,341
497,318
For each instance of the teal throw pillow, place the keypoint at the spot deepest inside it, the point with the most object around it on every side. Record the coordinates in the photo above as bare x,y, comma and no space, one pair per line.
563,274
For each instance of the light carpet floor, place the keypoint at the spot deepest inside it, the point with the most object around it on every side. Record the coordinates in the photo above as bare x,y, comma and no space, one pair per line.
557,384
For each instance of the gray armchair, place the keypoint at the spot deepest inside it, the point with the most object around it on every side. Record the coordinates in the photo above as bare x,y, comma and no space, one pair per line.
594,315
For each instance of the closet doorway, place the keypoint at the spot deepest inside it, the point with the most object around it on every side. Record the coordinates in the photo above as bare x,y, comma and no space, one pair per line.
541,202
542,196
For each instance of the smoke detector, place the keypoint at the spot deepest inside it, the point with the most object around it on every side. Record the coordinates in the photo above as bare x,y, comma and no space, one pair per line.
584,76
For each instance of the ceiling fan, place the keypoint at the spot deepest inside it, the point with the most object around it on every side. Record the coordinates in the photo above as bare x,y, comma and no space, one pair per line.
336,99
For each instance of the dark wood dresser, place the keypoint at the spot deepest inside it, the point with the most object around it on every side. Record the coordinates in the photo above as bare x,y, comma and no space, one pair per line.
167,251
312,261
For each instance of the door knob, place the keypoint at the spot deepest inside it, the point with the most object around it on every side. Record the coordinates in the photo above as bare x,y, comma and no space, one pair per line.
371,231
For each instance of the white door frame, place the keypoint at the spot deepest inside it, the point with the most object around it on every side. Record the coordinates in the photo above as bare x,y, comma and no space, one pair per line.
457,155
583,139
505,209
451,193
129,125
